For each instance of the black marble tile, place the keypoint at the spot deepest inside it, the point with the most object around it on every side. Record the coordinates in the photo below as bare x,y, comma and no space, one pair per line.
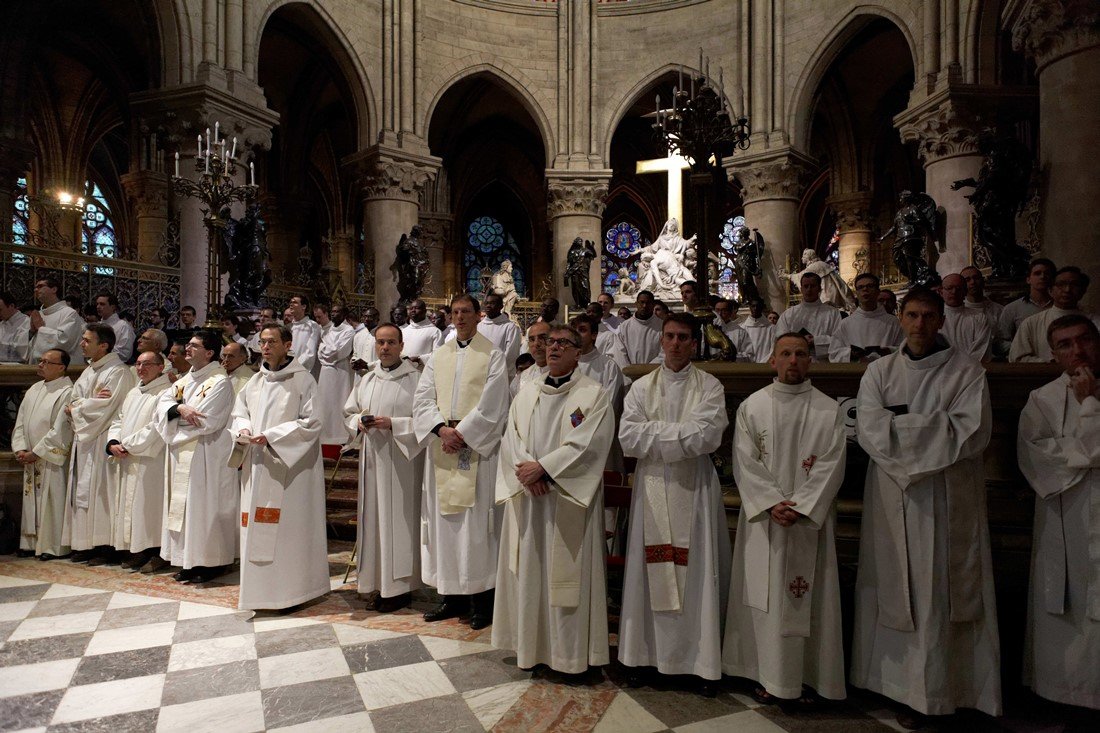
293,704
204,683
386,653
141,721
447,714
71,604
49,649
677,707
830,717
28,711
19,593
213,627
297,639
117,618
477,671
6,627
122,665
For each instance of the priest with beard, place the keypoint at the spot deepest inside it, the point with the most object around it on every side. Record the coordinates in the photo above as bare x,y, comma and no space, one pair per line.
551,605
783,624
277,436
638,340
378,413
925,614
812,318
202,493
420,336
678,554
1059,453
459,411
537,333
335,381
96,399
870,332
501,331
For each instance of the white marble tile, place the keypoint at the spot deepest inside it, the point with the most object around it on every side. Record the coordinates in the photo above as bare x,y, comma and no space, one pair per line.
441,648
354,723
72,623
131,637
129,600
274,624
109,698
347,634
10,581
24,679
290,669
16,611
625,714
384,687
208,652
57,590
887,717
30,730
241,713
746,700
491,703
746,721
201,610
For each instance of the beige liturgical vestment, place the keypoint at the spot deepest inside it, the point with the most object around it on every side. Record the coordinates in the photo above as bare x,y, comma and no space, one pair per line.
42,427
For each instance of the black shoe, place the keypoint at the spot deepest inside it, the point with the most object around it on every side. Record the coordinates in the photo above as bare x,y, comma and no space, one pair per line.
708,688
452,607
135,561
478,622
394,603
155,563
185,575
482,605
205,574
24,553
910,719
634,677
46,557
83,555
113,557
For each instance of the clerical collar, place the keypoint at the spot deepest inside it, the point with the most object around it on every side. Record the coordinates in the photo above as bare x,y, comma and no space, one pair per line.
389,368
463,344
279,368
803,386
940,344
552,381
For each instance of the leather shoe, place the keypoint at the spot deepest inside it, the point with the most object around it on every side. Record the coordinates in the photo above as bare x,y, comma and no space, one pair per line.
134,562
82,555
97,560
205,574
394,603
155,563
46,557
478,621
24,553
185,575
708,688
452,607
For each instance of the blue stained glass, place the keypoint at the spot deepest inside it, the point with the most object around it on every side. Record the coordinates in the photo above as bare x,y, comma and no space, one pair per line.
97,233
20,218
621,244
488,245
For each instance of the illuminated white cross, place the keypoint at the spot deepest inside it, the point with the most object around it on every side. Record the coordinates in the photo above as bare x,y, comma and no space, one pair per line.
673,165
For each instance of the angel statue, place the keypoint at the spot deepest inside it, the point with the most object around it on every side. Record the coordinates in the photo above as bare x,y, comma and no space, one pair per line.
410,266
580,254
914,232
249,273
504,284
834,290
748,250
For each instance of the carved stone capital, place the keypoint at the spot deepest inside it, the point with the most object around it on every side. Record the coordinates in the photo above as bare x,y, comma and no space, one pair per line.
1047,30
572,194
178,114
853,211
942,127
778,177
386,173
148,190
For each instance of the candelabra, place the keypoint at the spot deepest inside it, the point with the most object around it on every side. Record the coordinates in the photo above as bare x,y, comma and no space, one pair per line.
216,190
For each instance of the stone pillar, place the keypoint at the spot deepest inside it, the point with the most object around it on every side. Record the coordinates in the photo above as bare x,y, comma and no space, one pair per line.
771,188
1063,37
391,180
148,190
853,219
575,206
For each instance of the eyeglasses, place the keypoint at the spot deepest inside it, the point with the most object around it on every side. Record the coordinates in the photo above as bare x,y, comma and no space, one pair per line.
563,343
55,363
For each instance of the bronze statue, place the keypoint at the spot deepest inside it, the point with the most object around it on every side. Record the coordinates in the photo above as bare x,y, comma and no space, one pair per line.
748,250
410,267
247,262
915,231
581,252
1000,193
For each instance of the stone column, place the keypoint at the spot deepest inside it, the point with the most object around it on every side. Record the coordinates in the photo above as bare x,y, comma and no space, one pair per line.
148,190
771,188
391,180
575,206
853,219
1063,37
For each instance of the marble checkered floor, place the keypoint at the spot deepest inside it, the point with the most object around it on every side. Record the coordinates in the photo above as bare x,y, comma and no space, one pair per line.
90,649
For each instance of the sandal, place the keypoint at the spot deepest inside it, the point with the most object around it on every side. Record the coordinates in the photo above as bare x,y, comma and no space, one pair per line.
764,697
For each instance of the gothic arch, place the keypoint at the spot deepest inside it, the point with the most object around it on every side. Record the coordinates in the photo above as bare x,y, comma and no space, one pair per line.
175,55
630,98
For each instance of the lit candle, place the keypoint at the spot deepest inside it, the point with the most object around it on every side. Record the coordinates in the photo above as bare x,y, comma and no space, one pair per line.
658,109
208,142
233,153
177,164
198,153
252,172
207,159
675,93
216,124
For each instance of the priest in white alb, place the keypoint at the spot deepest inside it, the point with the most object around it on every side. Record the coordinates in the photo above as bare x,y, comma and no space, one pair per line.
870,332
335,382
41,441
725,318
96,399
106,307
136,468
202,506
638,340
56,325
1058,446
363,353
678,554
965,329
811,317
604,371
761,331
1030,342
537,333
551,595
307,334
501,331
925,615
459,412
234,360
391,473
276,431
421,337
783,626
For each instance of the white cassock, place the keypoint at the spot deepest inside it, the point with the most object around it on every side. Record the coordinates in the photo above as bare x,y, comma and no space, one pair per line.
820,319
604,371
334,383
992,311
605,341
864,329
610,323
637,341
15,338
678,554
138,480
201,492
284,549
363,346
42,427
533,373
1059,452
1030,342
783,625
505,336
925,618
459,522
761,333
421,339
124,336
967,330
63,327
1012,316
746,352
306,335
90,498
391,476
551,594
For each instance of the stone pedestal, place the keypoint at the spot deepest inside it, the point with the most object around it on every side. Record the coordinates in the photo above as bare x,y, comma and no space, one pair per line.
853,219
575,206
148,191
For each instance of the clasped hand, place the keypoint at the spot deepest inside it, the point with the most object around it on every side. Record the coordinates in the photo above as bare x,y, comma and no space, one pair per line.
191,416
452,440
253,439
26,456
783,515
530,475
1083,383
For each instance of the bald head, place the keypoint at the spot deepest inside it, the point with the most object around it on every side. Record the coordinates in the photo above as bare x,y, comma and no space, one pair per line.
954,290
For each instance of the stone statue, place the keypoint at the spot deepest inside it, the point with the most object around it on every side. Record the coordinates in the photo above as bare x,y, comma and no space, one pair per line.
914,232
1000,193
504,285
626,285
577,259
663,265
410,266
247,263
834,290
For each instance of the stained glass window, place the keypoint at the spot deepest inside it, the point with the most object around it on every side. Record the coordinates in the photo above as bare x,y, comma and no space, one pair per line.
97,231
832,251
728,286
621,245
487,246
21,217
